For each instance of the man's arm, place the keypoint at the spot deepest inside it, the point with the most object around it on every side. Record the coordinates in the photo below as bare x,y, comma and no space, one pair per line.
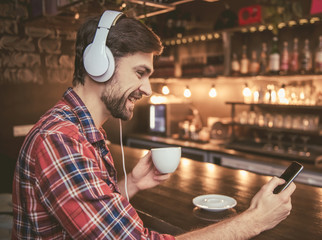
143,176
265,212
79,195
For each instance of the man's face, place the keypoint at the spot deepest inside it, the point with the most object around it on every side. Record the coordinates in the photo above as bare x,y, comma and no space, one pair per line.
129,83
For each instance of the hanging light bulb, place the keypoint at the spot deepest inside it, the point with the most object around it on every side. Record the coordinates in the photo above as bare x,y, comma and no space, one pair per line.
187,92
213,92
165,90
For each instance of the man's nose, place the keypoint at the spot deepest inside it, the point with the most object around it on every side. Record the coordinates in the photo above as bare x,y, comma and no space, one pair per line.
146,87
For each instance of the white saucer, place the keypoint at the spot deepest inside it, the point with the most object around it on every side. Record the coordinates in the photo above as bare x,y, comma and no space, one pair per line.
214,202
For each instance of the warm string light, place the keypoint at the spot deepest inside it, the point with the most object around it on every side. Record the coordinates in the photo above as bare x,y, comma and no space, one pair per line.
213,92
215,35
187,92
123,6
76,16
165,90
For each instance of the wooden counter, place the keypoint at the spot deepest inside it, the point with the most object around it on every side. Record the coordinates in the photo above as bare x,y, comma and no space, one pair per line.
217,150
168,208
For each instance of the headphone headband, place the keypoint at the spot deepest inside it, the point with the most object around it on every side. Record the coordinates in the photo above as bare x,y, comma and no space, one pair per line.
108,19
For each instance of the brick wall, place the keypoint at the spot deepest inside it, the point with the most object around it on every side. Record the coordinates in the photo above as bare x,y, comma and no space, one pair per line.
36,66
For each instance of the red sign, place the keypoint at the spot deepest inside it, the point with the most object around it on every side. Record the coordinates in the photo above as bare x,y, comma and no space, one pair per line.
249,15
316,6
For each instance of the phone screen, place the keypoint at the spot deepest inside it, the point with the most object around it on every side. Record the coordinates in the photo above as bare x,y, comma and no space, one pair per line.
289,175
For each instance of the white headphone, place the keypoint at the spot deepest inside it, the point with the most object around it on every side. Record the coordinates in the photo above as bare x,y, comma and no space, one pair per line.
98,59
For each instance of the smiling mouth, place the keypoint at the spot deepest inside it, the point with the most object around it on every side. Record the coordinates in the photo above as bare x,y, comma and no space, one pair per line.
134,97
133,100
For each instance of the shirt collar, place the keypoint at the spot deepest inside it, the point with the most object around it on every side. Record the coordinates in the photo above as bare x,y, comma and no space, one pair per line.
86,121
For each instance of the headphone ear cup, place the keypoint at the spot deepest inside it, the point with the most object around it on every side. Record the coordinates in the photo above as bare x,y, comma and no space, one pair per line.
100,66
110,68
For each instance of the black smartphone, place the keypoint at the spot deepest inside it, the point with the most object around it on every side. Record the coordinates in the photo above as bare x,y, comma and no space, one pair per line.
289,175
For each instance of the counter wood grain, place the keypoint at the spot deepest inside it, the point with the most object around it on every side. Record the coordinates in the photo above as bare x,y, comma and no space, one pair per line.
168,207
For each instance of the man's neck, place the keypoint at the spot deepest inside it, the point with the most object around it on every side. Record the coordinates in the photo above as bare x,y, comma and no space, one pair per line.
90,95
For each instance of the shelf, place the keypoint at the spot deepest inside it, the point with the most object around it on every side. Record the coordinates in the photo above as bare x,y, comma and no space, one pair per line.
317,132
278,79
250,146
281,106
250,28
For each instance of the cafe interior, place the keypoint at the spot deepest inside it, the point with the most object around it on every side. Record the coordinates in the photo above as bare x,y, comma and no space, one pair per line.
239,117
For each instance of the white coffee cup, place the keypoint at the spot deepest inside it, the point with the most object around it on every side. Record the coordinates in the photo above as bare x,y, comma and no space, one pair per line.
166,159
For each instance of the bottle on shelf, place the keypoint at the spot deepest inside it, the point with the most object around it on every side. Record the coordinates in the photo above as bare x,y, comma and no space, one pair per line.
306,58
263,61
244,62
294,62
274,58
285,59
254,64
318,58
235,66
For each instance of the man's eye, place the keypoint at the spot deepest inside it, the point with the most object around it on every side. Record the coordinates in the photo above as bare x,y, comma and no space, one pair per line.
140,73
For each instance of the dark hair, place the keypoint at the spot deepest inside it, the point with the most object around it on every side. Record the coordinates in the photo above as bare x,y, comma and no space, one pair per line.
128,36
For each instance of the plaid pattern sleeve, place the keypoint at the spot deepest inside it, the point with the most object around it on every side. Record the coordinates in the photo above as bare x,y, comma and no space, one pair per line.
63,190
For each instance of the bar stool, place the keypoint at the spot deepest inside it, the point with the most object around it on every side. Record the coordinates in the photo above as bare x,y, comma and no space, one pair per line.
6,218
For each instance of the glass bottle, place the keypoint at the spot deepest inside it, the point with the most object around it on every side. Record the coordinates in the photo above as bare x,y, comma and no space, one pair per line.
318,57
285,59
294,62
306,59
235,66
244,62
263,61
274,58
254,64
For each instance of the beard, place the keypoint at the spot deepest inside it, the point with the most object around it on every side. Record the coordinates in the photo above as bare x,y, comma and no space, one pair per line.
117,104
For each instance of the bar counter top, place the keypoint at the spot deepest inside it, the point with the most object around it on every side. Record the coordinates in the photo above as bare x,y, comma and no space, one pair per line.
219,147
168,208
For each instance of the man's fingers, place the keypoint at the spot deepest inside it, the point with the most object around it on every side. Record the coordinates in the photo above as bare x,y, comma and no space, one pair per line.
274,182
146,157
161,177
290,189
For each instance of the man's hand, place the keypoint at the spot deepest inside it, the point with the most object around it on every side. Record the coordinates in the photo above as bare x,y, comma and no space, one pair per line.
143,176
265,212
272,208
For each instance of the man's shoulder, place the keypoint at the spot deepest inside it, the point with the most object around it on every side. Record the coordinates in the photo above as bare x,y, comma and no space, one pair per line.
59,120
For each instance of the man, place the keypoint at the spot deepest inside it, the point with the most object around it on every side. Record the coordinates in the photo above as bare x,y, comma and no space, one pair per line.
65,182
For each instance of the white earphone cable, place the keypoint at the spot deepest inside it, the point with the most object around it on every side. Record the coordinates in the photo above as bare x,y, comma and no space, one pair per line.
123,161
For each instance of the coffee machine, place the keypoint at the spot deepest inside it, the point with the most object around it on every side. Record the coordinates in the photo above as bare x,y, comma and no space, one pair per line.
164,118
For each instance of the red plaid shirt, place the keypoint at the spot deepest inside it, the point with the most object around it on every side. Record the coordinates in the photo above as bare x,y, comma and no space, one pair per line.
65,182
